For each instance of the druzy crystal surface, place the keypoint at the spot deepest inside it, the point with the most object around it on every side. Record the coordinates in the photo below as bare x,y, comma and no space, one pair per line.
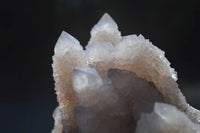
118,84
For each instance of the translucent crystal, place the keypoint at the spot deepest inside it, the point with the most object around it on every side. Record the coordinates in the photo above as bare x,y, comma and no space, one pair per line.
166,119
106,30
111,104
115,80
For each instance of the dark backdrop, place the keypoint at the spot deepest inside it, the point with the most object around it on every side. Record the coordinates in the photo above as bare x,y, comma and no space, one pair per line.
29,30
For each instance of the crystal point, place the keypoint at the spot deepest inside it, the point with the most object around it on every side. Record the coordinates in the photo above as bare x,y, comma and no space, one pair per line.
106,30
106,23
166,119
66,42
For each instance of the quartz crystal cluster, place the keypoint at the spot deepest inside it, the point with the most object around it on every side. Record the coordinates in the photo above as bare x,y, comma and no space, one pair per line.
118,84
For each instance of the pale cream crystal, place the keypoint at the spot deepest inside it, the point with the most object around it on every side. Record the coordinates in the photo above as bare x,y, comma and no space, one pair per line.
91,86
166,119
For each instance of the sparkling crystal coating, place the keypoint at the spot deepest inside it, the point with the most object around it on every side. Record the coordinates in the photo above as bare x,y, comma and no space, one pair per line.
118,78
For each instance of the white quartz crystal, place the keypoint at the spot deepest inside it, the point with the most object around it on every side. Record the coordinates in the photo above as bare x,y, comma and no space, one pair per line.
166,118
114,85
106,30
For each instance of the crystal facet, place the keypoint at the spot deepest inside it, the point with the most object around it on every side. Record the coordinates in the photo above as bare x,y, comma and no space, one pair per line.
106,30
166,119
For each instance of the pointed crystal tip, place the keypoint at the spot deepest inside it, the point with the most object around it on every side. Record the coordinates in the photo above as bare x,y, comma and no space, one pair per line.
106,30
106,20
105,23
69,37
66,42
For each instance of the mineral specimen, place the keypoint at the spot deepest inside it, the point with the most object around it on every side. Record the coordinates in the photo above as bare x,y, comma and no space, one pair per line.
119,84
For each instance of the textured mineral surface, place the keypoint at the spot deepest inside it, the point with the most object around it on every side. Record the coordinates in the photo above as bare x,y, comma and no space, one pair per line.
119,84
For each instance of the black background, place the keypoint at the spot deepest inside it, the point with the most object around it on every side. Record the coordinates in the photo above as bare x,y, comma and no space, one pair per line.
29,30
